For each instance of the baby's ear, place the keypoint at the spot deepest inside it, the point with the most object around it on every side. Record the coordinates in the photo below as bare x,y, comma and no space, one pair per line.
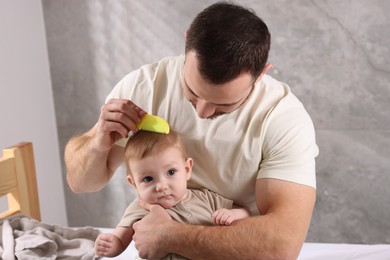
130,180
189,163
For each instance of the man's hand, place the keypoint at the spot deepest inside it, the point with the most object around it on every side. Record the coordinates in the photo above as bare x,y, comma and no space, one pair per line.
117,118
149,232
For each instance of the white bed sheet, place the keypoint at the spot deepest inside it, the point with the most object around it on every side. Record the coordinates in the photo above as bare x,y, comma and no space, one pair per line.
319,251
311,251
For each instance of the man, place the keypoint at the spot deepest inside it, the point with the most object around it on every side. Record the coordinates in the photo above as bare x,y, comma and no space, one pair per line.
252,141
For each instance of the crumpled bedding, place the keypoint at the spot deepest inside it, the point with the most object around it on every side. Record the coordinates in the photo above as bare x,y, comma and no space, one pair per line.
22,237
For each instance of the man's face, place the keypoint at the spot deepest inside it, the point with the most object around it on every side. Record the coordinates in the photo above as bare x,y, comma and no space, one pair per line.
211,100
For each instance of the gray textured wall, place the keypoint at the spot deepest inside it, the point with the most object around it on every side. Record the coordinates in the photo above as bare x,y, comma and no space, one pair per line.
335,55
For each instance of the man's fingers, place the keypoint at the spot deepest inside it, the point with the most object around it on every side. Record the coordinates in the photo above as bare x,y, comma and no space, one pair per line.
126,107
114,127
120,116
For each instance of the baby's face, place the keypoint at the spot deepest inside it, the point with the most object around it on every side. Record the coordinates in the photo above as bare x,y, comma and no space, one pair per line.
162,178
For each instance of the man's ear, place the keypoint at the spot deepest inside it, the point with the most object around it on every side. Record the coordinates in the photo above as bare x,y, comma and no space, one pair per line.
188,166
266,68
130,180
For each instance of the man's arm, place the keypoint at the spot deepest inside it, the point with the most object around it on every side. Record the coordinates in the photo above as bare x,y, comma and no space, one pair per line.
92,158
278,233
88,168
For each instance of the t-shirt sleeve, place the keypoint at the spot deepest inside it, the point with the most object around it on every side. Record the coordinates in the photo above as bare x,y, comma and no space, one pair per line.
216,201
132,214
290,147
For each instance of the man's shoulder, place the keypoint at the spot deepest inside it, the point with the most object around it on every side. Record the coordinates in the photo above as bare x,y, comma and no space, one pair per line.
173,62
153,72
280,91
165,67
172,59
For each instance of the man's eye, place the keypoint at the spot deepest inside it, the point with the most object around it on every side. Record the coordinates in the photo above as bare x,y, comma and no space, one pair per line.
192,101
148,179
171,172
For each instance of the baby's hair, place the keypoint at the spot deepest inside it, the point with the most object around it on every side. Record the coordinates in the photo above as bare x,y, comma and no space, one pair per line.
145,143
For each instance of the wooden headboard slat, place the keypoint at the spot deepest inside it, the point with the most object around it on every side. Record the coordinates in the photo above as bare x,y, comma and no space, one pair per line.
18,181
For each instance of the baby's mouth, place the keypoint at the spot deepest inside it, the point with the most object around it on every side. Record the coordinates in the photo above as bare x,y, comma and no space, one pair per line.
165,196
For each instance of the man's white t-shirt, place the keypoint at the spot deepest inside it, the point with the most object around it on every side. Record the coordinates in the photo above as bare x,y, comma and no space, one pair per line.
269,136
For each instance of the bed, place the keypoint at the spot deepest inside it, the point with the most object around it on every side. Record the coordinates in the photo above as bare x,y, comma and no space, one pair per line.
24,236
314,251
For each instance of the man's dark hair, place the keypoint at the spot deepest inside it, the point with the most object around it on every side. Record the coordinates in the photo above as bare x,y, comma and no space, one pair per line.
228,40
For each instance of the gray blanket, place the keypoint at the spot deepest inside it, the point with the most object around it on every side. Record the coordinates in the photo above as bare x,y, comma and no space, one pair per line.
22,237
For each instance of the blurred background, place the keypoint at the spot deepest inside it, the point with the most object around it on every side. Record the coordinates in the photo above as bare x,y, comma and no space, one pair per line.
335,55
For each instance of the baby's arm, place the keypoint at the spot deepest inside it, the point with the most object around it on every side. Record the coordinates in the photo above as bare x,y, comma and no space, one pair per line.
113,244
228,216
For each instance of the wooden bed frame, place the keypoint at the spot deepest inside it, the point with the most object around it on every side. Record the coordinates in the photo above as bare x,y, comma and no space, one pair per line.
18,181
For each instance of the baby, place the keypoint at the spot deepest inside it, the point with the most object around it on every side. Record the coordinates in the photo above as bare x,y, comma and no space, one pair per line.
158,167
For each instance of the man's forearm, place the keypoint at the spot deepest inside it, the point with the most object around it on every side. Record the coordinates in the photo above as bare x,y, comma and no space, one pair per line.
252,238
87,169
278,233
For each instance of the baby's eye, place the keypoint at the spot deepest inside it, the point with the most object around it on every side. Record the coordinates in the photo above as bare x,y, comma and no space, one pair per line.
171,172
147,179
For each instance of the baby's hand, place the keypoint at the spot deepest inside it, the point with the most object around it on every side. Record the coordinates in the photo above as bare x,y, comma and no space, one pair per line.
107,244
223,217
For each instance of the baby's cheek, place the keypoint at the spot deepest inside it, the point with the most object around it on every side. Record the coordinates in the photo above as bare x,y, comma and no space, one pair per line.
146,196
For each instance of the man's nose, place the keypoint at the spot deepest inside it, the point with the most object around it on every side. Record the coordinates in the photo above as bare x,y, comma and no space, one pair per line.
204,109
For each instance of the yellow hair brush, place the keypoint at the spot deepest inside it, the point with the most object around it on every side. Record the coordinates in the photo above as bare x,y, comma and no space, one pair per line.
153,124
148,123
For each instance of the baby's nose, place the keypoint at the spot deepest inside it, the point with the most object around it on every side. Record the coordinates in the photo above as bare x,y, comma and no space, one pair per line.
161,186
